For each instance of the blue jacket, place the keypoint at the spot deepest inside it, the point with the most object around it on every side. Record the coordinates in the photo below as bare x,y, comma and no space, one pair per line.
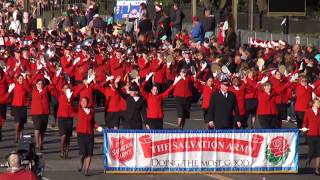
197,32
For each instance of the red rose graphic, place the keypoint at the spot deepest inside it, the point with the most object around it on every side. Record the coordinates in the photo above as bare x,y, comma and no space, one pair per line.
279,146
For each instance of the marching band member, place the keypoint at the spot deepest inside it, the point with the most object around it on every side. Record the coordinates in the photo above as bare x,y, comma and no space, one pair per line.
238,89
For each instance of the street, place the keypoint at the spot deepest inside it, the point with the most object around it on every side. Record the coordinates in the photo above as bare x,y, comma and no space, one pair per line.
56,168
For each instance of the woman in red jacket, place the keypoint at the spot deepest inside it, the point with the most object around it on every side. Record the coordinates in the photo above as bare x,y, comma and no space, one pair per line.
85,134
19,104
183,94
267,108
4,84
251,101
311,124
39,111
303,97
154,104
238,89
65,116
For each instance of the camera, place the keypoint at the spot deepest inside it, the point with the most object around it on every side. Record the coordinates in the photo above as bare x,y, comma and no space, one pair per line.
30,159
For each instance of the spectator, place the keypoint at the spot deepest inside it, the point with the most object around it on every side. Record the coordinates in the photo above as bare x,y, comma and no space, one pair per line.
176,17
209,24
197,32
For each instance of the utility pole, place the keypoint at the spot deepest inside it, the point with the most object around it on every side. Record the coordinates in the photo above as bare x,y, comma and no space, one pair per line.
250,19
235,13
194,7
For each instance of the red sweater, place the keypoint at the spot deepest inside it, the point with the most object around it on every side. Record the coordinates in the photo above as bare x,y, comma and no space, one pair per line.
4,83
116,68
23,174
312,121
303,97
85,91
183,88
65,109
251,91
86,123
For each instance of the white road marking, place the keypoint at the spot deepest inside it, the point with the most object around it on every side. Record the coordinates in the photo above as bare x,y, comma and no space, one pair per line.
44,178
220,177
171,124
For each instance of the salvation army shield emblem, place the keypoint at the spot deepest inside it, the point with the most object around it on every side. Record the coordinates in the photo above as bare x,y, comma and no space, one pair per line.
121,149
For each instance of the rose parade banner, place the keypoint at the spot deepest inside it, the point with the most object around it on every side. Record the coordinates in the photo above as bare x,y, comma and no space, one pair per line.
201,151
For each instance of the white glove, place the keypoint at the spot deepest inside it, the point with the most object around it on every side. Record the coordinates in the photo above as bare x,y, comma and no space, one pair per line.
149,76
69,93
47,76
99,129
58,72
211,124
91,78
39,66
304,129
177,79
109,78
11,87
311,85
294,77
168,64
4,69
76,61
273,72
301,67
203,66
24,75
264,79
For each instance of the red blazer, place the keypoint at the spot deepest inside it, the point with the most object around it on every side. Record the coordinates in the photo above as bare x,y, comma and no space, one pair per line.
154,103
266,103
86,123
113,99
251,91
20,94
206,92
159,71
303,97
101,71
65,109
116,68
282,97
144,67
240,96
85,91
4,83
81,70
312,121
183,88
40,104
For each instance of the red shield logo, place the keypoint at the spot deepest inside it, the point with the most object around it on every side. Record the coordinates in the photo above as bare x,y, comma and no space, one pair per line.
121,149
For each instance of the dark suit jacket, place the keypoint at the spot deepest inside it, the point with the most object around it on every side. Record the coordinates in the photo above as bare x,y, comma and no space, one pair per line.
223,111
136,112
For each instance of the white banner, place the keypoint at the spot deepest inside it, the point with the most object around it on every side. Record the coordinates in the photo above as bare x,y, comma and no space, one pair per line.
245,151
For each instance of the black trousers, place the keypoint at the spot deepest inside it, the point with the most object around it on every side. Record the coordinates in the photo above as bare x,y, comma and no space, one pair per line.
282,113
299,117
155,123
267,122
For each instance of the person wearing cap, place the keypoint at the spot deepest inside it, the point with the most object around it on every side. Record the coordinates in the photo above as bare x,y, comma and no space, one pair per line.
311,124
157,16
187,62
15,170
183,94
197,31
223,111
135,115
144,29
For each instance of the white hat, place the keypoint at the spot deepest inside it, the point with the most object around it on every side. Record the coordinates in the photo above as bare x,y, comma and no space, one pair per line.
96,15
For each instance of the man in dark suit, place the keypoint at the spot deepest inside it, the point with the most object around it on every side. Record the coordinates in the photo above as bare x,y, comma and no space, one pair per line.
136,113
187,62
223,112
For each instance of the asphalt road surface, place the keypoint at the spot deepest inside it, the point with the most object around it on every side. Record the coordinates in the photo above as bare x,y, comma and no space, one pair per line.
56,168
